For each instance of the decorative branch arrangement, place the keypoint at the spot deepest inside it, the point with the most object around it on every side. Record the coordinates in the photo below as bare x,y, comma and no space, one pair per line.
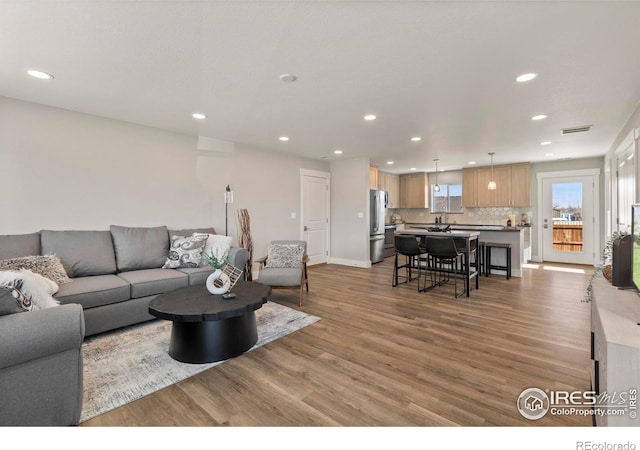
245,240
604,263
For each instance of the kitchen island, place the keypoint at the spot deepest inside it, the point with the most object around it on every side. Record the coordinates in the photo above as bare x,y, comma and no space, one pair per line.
518,237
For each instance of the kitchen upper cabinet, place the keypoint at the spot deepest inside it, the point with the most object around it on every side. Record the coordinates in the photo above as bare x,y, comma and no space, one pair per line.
486,197
513,186
373,177
391,183
414,190
502,192
394,190
470,188
521,185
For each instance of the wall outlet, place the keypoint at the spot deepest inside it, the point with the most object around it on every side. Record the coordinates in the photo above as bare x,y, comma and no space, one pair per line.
293,215
421,214
360,215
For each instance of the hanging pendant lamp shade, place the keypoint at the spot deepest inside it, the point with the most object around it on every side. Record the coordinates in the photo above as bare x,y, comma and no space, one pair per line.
492,184
436,187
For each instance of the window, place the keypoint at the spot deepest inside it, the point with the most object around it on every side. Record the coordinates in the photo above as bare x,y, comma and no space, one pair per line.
447,200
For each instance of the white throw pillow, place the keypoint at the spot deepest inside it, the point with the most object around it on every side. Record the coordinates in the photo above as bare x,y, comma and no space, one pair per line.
217,245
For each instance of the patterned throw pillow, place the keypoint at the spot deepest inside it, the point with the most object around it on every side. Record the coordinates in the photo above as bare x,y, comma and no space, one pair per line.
185,251
12,301
24,303
285,255
49,266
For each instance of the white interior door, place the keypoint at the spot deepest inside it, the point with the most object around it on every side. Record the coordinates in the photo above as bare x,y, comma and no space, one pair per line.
568,216
315,215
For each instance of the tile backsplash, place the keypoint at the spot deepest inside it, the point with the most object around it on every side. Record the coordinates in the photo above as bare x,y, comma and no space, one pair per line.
475,216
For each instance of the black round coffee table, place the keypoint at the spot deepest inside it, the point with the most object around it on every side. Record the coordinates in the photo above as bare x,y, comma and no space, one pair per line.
207,328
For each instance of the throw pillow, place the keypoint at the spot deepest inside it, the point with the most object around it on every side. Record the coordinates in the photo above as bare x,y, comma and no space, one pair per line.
217,245
9,303
285,255
32,291
48,266
185,251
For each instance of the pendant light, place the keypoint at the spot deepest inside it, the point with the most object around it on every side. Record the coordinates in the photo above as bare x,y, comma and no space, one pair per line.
436,187
492,184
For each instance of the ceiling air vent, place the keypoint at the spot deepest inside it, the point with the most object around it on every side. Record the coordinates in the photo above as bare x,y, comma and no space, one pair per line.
575,129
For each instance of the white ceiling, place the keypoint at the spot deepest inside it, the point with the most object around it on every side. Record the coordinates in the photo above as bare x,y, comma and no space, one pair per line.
442,70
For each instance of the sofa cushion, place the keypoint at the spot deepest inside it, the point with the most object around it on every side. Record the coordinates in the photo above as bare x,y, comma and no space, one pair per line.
96,290
82,253
197,275
18,245
185,251
154,281
280,276
140,248
48,266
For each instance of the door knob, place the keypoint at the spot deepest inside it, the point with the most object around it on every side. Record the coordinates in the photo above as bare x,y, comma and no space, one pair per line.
305,228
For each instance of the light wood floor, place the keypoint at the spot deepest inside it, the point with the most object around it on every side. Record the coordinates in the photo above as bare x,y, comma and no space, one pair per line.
383,356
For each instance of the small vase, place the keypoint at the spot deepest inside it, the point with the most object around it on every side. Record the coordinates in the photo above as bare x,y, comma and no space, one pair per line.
226,282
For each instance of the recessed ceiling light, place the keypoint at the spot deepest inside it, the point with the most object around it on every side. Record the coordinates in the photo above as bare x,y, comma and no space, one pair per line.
545,143
338,151
413,168
284,138
471,163
389,162
539,117
526,77
548,154
416,139
370,117
288,78
40,75
198,116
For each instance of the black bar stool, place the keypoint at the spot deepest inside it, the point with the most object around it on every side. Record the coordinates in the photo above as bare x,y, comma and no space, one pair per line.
488,265
408,246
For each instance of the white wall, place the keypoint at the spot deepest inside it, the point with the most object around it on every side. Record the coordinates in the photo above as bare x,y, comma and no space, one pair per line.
349,197
66,170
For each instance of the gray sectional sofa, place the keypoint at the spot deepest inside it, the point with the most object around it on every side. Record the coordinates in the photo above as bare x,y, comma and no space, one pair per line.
114,274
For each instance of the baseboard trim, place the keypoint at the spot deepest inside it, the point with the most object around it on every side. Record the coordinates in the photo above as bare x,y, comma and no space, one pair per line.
350,262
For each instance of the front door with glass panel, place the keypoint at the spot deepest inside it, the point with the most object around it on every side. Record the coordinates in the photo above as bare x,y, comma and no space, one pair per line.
568,219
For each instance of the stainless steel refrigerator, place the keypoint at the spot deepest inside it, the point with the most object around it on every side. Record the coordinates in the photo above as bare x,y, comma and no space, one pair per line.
378,212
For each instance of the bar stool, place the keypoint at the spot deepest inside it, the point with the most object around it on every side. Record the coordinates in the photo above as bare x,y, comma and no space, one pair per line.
487,260
477,252
407,246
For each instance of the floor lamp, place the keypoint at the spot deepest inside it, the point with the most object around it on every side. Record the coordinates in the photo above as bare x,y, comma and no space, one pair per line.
228,198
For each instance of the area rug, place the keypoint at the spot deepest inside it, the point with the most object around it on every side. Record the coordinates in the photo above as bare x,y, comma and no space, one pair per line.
127,364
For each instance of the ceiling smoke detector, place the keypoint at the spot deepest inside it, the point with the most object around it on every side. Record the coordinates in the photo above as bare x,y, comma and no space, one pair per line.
581,129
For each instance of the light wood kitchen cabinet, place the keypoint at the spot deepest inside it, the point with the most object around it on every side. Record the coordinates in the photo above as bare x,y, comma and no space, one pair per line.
394,190
486,197
469,188
521,185
373,177
502,192
414,190
513,186
391,183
